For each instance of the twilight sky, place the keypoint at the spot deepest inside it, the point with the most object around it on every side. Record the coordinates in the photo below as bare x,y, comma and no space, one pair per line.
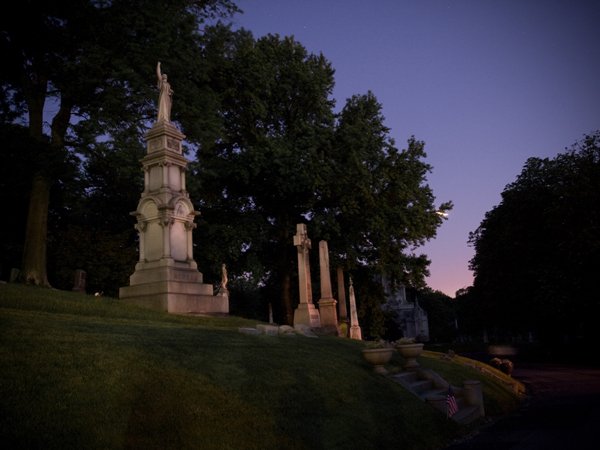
485,84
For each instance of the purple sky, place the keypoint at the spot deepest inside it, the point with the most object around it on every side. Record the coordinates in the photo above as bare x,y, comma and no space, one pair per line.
485,83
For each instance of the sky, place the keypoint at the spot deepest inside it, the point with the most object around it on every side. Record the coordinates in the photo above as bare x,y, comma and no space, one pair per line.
486,84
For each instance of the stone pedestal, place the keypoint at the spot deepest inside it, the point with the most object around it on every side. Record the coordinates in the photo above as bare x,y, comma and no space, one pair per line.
307,314
166,276
328,314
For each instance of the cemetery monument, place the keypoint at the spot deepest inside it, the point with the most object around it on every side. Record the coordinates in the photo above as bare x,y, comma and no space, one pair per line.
166,276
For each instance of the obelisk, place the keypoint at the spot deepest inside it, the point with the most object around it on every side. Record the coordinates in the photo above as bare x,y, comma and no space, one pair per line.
327,309
355,332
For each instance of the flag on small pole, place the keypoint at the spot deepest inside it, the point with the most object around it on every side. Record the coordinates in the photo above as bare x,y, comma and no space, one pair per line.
451,405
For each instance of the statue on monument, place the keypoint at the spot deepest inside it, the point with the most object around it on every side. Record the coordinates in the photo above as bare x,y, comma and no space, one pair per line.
165,97
224,278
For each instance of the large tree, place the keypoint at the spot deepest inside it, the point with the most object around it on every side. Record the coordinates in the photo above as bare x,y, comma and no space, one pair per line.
87,60
284,157
258,179
537,252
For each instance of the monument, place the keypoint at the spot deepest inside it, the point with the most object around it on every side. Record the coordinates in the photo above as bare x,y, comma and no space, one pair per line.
166,276
408,316
355,331
305,313
327,309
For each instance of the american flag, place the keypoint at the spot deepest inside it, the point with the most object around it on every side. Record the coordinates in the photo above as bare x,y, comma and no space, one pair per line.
451,406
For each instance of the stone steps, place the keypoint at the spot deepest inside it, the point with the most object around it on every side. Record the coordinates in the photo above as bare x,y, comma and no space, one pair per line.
431,388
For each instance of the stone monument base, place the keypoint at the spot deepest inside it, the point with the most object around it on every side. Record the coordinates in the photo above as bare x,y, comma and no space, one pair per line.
172,287
307,314
328,316
355,332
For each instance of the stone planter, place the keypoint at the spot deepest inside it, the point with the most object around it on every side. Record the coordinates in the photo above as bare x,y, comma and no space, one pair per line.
410,352
378,357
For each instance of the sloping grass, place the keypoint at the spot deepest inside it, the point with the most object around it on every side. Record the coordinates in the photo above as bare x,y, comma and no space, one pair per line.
85,372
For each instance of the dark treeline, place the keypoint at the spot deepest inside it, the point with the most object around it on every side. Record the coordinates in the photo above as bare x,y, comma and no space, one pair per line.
537,256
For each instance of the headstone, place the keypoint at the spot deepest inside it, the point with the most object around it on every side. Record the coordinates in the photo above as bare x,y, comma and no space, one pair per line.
166,276
79,280
355,331
305,313
327,309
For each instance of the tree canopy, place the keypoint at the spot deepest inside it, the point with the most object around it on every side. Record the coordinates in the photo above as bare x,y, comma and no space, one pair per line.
285,157
268,148
86,61
537,252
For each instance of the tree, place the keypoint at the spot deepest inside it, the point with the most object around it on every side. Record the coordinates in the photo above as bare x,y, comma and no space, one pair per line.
441,314
283,158
375,206
537,252
90,60
258,179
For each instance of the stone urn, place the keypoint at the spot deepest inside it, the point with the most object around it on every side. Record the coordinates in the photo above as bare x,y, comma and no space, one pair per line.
410,352
378,358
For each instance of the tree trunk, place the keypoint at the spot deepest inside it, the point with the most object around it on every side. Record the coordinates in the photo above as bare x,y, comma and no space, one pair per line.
286,298
34,252
34,267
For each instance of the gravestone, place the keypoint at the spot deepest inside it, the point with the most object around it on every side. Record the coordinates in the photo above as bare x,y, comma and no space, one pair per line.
305,313
166,276
327,309
355,331
79,280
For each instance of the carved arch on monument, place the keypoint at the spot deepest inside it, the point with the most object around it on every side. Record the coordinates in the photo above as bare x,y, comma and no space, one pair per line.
151,235
181,230
182,207
148,209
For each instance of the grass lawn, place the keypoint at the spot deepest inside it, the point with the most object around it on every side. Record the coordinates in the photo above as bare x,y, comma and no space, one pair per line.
78,371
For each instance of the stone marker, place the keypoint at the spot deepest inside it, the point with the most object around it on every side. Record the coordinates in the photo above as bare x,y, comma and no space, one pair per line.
305,313
327,303
355,332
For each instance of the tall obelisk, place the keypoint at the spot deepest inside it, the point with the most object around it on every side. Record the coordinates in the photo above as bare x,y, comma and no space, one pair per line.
327,309
166,276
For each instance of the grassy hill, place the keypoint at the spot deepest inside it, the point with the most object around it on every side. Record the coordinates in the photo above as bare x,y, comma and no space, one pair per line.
78,371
